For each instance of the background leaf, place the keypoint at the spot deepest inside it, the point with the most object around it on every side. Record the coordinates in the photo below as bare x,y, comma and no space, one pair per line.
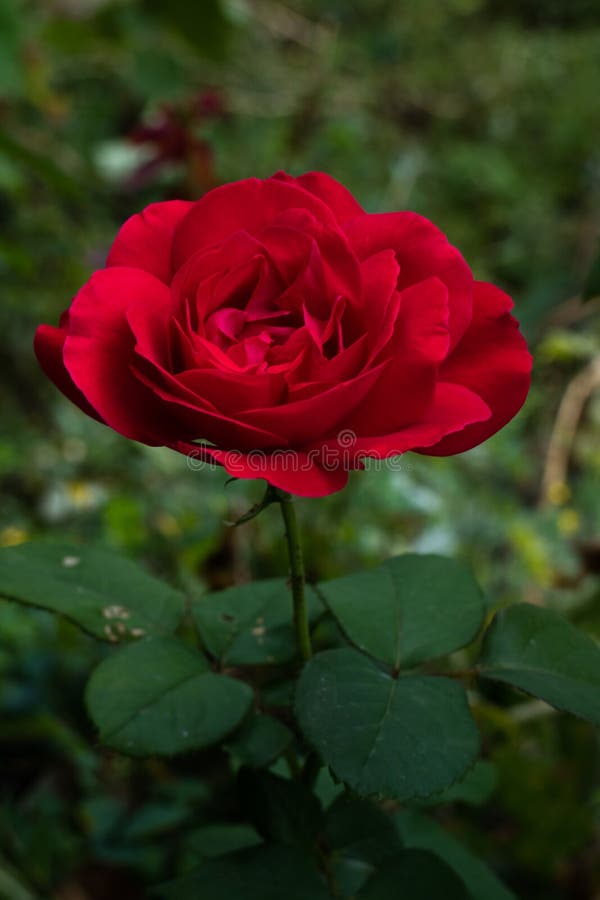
108,596
218,839
282,810
410,609
359,836
416,830
359,828
414,875
158,696
264,873
398,737
540,652
474,789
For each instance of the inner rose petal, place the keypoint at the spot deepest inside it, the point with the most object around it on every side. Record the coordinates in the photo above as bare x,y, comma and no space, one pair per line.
251,352
241,304
328,333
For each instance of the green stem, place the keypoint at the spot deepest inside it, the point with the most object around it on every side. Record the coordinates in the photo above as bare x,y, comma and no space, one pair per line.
292,536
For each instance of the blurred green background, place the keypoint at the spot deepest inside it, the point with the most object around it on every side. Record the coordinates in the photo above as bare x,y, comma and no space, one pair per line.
483,116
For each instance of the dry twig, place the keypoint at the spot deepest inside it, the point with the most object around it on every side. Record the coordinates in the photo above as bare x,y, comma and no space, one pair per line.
567,420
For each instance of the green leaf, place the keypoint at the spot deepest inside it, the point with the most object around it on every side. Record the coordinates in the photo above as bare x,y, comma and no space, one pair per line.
327,787
414,875
152,820
250,624
106,595
474,789
410,609
218,839
259,741
403,737
357,827
418,831
540,652
157,696
261,873
281,809
359,836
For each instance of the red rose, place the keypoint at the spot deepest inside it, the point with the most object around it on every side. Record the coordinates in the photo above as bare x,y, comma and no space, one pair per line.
275,316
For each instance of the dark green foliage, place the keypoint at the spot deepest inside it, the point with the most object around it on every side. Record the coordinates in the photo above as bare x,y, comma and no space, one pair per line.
266,873
417,831
414,875
282,810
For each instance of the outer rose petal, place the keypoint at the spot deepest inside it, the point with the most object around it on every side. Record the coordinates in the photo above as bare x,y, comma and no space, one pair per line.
422,251
453,408
492,359
419,343
323,468
338,198
48,345
144,241
197,417
99,350
249,205
305,421
379,298
298,472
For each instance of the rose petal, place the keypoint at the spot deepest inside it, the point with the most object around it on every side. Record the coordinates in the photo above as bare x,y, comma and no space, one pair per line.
453,408
492,359
422,250
230,393
305,421
380,302
338,198
321,252
99,349
48,344
249,205
152,332
316,371
196,416
295,471
144,241
417,346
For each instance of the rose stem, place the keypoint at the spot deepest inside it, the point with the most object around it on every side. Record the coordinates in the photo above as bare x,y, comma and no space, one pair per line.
292,536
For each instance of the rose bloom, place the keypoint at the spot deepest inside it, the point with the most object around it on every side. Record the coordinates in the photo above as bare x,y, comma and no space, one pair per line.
277,315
